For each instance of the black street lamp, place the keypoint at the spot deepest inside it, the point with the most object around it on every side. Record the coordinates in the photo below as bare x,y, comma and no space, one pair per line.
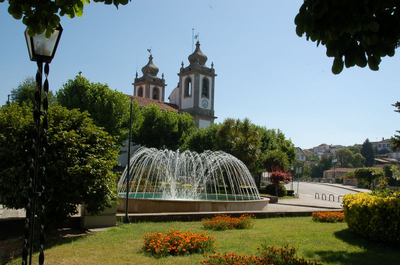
41,50
126,219
334,162
298,171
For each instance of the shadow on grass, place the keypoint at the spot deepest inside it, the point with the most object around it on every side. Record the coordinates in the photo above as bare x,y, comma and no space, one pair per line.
369,252
13,246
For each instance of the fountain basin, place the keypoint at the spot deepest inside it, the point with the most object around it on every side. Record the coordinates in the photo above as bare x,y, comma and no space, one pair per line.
168,206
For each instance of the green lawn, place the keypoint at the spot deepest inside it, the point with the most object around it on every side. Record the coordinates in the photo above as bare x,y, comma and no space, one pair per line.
328,243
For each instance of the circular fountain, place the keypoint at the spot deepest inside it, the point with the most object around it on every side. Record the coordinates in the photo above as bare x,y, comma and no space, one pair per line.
168,181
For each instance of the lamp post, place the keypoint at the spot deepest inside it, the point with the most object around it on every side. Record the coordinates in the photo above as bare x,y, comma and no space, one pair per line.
128,175
291,187
298,171
41,50
334,161
372,179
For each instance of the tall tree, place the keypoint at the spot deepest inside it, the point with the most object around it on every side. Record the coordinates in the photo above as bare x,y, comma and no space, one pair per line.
355,149
345,156
163,129
44,15
108,108
202,139
24,94
359,160
257,147
241,139
354,32
368,152
80,160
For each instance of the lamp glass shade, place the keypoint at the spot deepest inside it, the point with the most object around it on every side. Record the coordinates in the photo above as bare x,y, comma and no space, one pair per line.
41,48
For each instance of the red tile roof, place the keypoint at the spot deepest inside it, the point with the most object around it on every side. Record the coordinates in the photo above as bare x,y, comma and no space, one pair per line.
145,102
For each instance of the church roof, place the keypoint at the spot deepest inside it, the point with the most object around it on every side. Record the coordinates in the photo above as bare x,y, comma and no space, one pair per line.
145,102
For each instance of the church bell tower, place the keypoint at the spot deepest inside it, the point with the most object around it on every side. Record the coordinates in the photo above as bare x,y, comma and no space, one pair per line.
196,89
150,85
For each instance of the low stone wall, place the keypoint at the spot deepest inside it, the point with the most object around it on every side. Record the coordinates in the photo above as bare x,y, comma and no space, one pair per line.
106,218
350,182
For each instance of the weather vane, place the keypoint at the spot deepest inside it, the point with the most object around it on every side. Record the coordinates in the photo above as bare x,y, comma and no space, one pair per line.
149,50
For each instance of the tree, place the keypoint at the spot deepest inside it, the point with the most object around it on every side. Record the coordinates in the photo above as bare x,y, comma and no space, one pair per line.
108,109
202,139
240,138
368,174
345,156
44,15
354,32
359,160
257,147
275,159
80,160
325,163
355,149
368,152
24,94
163,129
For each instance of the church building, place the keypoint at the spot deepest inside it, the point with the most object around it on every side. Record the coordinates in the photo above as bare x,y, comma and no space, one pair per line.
194,93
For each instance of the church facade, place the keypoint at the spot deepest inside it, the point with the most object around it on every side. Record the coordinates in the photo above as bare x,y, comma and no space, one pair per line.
194,93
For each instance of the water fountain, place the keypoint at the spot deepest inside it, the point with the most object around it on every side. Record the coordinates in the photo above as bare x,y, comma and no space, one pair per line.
168,181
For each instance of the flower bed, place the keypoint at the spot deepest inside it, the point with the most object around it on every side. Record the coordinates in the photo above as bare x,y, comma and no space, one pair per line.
174,242
226,222
328,216
267,255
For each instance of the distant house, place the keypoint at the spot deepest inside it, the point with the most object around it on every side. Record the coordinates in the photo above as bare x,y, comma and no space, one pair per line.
337,172
382,146
300,154
320,150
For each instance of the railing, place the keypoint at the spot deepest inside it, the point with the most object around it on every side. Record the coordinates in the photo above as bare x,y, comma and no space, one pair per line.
323,197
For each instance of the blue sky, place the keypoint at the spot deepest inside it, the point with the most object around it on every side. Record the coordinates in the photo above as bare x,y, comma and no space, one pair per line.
265,71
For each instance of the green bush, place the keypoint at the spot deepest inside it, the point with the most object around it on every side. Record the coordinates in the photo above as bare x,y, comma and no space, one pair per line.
373,217
271,190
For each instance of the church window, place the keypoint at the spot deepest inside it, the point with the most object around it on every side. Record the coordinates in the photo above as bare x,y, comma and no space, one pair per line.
205,88
140,92
156,93
188,87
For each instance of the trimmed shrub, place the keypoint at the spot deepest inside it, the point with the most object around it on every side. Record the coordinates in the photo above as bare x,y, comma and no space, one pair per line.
373,217
271,190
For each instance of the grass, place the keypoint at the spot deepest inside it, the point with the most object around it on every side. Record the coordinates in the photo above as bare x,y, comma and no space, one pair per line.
328,243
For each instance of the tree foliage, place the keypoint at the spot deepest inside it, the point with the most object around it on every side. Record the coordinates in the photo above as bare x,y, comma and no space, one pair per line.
368,174
325,163
202,139
108,108
349,159
368,152
257,147
24,94
354,32
240,138
80,160
163,129
44,15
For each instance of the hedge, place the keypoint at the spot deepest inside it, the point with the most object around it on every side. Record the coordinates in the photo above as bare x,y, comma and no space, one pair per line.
373,217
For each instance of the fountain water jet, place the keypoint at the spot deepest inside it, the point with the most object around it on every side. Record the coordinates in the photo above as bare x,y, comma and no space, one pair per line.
168,181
